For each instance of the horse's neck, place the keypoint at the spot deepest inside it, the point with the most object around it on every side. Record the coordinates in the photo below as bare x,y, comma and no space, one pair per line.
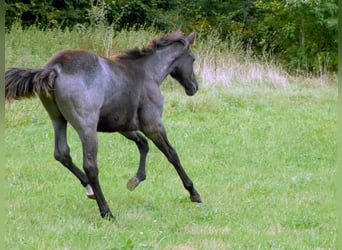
159,63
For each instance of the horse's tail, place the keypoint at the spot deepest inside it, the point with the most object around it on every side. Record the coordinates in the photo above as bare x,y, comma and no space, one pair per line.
26,83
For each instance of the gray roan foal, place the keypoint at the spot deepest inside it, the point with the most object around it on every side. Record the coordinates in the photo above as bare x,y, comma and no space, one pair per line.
122,95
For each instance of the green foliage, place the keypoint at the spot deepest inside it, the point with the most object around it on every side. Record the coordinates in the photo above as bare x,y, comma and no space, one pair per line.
46,13
302,35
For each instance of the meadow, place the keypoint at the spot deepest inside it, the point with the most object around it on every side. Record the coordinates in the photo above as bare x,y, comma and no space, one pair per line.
259,144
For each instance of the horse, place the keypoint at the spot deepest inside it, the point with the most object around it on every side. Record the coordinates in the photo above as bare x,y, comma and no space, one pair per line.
121,94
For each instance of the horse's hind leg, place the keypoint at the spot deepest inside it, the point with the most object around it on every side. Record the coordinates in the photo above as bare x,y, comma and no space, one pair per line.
142,145
85,124
90,145
62,154
62,151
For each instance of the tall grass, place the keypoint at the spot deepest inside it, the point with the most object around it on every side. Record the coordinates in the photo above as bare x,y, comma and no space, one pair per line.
32,47
218,62
225,63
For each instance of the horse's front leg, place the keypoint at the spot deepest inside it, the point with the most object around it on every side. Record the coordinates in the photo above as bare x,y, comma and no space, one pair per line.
90,145
142,145
157,134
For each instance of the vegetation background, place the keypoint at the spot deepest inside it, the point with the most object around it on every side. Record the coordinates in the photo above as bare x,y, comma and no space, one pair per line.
258,140
301,35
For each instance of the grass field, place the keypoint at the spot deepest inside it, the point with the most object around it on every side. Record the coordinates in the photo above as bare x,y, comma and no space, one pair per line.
263,157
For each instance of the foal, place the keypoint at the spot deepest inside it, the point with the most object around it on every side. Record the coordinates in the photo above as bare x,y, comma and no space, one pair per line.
122,95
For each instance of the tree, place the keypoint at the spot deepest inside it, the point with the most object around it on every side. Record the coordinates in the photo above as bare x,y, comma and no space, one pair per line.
303,34
46,13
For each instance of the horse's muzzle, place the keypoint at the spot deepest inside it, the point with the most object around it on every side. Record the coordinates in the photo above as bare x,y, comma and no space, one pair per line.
192,89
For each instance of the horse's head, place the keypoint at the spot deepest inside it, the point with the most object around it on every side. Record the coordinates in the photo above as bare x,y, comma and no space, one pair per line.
182,69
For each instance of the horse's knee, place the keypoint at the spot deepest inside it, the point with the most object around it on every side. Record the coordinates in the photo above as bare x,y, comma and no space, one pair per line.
63,156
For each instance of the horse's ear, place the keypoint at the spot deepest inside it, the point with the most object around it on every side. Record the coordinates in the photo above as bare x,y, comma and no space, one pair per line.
191,37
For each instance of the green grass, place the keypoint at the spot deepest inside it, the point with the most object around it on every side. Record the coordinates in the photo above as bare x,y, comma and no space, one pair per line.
262,156
263,161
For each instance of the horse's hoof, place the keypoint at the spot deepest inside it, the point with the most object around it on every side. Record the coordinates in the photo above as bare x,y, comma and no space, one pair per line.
90,192
109,217
133,183
196,198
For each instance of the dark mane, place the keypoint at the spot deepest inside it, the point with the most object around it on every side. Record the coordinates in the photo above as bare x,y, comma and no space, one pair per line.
163,41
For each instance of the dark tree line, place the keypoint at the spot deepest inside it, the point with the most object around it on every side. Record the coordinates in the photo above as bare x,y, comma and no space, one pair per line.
301,34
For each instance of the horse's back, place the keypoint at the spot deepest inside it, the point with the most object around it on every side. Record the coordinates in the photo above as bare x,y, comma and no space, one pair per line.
74,61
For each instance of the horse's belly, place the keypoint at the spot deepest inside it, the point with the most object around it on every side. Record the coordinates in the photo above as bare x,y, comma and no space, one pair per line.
116,123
